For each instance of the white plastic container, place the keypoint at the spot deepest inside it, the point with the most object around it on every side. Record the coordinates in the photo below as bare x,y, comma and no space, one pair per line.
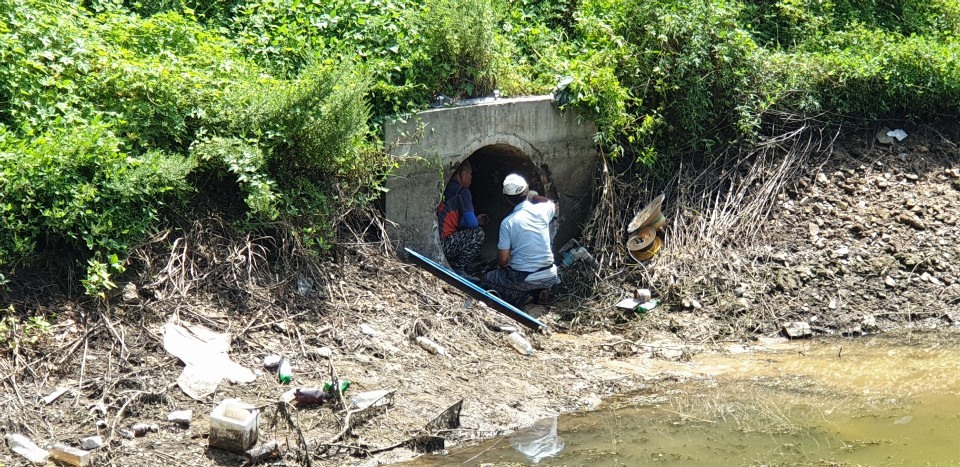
517,341
431,346
233,426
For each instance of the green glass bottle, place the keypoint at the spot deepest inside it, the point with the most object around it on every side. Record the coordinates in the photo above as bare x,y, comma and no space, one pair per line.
344,385
285,373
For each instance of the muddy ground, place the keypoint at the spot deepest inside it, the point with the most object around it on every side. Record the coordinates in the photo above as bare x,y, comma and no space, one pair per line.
863,240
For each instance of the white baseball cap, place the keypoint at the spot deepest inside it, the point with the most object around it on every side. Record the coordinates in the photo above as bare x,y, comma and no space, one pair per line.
514,185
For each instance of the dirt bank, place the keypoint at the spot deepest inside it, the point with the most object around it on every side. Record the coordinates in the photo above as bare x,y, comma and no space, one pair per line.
862,240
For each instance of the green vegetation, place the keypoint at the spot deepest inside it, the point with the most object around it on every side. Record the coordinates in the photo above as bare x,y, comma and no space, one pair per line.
14,330
116,114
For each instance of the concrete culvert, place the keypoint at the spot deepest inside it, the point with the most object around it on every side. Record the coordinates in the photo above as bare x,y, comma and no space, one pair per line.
553,151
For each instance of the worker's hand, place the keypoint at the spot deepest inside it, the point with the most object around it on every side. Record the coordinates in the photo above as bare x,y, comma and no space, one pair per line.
482,219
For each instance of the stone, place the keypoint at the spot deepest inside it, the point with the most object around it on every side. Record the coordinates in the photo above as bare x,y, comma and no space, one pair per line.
130,294
180,417
797,330
91,443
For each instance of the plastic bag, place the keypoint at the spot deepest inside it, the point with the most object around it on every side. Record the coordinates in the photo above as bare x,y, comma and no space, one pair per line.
539,440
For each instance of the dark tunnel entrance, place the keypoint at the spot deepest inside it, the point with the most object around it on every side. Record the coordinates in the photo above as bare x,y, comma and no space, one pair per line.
491,164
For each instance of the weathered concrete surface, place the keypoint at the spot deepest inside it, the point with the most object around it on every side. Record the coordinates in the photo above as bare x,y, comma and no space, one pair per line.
554,151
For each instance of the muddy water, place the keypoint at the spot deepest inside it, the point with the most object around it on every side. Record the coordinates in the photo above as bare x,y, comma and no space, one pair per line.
869,401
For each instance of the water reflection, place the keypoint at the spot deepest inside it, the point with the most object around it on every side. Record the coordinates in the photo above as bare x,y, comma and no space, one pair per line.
871,401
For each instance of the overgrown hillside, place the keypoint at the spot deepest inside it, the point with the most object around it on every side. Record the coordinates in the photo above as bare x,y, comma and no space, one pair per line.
119,120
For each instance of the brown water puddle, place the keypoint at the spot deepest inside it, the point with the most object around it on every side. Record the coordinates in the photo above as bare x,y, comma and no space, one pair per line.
869,401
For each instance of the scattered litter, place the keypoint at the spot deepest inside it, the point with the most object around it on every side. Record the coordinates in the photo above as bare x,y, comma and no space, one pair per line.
561,94
344,385
507,329
139,430
629,304
91,443
518,342
23,446
448,419
649,216
578,254
204,352
648,305
54,396
285,372
309,395
883,136
898,133
372,399
233,426
647,253
70,455
643,295
431,346
304,285
538,441
633,304
368,330
270,450
180,417
272,362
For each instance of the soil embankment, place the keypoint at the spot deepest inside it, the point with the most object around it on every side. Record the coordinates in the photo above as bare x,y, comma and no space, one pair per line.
865,240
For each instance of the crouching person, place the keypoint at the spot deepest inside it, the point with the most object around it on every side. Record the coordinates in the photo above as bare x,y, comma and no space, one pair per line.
524,248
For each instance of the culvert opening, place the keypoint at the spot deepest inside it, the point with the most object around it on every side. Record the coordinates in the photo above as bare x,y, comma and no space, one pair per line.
491,164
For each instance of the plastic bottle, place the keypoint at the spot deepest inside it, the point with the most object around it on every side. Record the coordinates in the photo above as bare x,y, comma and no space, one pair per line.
344,385
285,373
309,395
517,341
431,346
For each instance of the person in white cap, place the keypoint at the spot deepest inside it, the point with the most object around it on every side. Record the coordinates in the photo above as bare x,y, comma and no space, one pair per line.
524,248
461,230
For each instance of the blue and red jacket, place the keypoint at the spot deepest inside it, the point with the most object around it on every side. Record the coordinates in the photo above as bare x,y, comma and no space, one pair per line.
455,212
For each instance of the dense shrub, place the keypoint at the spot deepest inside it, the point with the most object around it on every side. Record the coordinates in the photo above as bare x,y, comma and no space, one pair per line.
75,187
870,74
687,70
785,24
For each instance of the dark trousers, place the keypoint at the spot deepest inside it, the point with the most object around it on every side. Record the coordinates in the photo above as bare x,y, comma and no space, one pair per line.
461,247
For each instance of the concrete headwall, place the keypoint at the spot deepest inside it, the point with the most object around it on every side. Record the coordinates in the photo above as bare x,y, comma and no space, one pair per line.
557,147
